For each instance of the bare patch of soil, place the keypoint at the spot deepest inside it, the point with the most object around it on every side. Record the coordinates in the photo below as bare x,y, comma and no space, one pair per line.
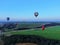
26,44
1,43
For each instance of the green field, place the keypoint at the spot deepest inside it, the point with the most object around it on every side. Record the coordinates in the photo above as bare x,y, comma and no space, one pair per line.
50,32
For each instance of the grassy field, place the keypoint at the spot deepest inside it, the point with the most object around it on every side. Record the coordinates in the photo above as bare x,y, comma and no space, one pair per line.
50,32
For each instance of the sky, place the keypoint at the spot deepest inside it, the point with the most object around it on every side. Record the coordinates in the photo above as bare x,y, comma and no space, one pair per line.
23,10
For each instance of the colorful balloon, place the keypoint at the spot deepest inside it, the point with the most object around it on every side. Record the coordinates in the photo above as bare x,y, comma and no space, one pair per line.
43,27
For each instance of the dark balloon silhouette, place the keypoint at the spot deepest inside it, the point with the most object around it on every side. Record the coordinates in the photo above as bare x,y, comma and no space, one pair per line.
8,18
36,14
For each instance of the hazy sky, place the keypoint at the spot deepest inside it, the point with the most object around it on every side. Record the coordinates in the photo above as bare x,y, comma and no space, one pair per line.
24,9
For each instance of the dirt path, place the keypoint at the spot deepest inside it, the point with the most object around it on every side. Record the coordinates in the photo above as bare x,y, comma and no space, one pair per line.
26,44
1,42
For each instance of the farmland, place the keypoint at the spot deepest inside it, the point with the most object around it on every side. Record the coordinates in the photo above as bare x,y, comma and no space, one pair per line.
34,32
50,32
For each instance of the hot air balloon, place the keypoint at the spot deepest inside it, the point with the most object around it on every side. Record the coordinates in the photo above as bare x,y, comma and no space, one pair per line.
43,27
36,14
8,18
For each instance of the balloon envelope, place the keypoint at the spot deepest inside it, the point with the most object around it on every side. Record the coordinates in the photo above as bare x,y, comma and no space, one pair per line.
36,14
8,18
